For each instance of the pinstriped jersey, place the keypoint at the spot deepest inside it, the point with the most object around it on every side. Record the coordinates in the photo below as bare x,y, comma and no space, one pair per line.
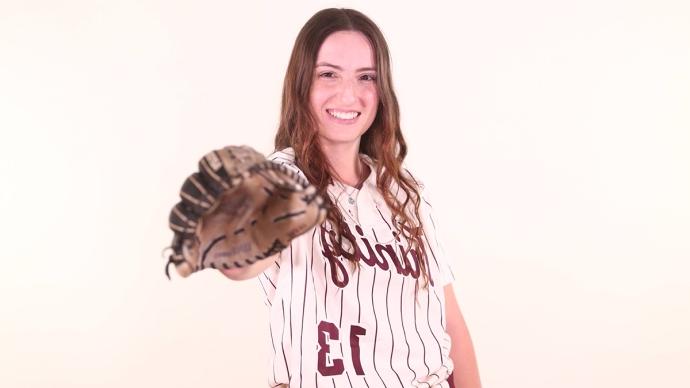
365,321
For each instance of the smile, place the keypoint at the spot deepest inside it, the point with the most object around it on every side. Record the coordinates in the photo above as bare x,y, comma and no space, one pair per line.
343,115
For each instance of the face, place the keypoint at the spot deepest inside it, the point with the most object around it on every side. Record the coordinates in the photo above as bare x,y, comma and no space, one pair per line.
343,95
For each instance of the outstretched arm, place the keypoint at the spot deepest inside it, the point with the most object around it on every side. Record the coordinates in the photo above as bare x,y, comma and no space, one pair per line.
466,373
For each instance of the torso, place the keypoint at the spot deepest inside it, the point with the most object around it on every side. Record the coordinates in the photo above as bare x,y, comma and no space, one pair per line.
365,323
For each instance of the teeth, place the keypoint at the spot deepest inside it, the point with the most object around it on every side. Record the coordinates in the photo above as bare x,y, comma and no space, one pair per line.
343,115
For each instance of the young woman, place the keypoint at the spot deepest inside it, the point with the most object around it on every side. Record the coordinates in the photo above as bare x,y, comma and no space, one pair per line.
365,299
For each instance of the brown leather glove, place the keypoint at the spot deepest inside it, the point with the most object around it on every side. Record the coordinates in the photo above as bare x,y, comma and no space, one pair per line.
237,209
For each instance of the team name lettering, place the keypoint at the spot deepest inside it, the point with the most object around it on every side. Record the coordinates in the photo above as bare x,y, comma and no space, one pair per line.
360,249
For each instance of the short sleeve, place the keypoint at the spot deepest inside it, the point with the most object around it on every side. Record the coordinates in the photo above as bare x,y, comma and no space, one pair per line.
439,263
286,157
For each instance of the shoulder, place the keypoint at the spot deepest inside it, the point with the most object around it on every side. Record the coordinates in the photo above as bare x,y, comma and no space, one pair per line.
422,188
414,177
404,172
285,157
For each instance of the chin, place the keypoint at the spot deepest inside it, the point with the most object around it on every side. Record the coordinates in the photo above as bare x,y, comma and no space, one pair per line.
339,140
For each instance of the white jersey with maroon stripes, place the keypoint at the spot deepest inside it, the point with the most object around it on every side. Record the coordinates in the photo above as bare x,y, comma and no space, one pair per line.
334,323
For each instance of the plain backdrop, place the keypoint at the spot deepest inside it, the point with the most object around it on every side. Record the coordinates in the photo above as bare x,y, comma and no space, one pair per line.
555,136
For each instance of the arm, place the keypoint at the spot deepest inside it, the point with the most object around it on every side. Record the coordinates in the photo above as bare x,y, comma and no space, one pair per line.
466,373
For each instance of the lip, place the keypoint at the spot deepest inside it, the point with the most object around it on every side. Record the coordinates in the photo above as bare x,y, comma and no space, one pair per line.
343,121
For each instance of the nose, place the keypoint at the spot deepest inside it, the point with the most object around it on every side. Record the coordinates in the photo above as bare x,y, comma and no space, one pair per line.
348,92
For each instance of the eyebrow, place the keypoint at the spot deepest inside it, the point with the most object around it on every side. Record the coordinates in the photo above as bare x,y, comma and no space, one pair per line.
340,68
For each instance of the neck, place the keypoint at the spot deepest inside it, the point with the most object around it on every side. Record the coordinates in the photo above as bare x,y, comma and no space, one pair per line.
348,167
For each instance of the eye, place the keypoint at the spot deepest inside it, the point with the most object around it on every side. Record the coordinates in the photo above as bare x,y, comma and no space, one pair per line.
368,77
327,74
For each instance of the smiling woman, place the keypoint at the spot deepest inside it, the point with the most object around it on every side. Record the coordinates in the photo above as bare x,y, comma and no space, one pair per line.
365,298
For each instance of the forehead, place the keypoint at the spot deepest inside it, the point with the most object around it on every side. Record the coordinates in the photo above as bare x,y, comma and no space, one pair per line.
347,49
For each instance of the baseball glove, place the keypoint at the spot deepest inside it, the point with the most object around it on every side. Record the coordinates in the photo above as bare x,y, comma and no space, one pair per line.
237,209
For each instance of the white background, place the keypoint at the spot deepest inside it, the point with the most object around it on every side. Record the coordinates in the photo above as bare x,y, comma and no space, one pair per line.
555,136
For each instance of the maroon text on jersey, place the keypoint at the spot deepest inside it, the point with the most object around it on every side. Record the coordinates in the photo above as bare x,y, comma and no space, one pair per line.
378,255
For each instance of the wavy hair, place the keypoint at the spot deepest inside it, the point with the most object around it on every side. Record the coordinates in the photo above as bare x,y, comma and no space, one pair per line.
383,141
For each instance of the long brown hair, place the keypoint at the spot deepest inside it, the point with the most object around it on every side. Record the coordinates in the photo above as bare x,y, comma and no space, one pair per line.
383,142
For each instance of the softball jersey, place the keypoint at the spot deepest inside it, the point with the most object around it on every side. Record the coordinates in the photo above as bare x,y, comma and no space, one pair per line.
369,323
